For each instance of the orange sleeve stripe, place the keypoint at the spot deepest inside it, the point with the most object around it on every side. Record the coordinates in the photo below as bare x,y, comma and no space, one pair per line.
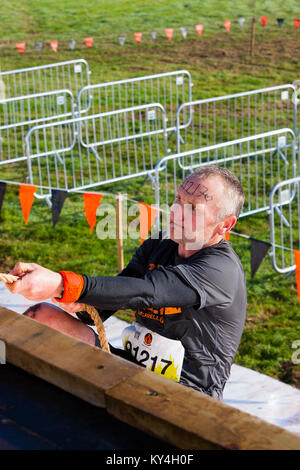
73,285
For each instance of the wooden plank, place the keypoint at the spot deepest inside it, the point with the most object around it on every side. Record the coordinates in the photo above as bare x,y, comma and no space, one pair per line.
176,414
189,419
74,366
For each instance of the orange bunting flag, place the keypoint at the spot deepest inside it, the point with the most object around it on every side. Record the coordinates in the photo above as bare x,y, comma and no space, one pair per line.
54,45
297,262
169,33
227,25
91,204
88,42
21,47
199,29
26,195
138,37
263,20
147,216
227,235
296,24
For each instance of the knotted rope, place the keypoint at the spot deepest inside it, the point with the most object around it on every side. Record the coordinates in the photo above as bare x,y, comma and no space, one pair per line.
8,278
99,325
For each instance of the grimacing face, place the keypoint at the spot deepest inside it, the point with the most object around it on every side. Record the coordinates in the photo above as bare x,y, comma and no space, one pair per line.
193,218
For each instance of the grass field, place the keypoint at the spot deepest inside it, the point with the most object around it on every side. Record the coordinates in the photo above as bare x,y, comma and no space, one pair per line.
219,64
102,18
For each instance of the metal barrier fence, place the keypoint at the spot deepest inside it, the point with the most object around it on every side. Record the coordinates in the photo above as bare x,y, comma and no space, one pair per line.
285,224
20,113
85,152
224,118
259,161
71,75
125,137
35,95
169,89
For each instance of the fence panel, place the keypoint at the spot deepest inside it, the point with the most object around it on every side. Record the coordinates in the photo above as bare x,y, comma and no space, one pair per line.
57,158
285,224
225,118
20,113
257,161
169,89
71,75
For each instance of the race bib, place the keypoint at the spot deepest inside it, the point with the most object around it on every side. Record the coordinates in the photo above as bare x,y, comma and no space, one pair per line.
160,355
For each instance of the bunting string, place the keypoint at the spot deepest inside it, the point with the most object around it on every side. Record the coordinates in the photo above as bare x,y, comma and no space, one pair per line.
147,216
198,29
124,197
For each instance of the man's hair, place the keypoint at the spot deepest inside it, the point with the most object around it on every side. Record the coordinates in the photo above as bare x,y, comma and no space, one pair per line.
234,196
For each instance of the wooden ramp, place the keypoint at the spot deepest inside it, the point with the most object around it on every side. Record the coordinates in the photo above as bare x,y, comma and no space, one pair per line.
167,410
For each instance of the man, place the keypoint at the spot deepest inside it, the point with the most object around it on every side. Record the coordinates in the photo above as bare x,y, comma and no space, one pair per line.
188,289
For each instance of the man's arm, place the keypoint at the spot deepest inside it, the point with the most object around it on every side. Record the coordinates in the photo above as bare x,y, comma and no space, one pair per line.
38,283
158,288
136,268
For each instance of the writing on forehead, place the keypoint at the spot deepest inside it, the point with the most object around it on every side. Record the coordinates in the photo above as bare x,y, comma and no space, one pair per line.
194,188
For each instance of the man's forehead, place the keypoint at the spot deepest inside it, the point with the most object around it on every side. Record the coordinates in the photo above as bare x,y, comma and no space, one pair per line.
194,187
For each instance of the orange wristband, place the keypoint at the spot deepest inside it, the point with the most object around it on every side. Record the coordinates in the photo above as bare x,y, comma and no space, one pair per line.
73,285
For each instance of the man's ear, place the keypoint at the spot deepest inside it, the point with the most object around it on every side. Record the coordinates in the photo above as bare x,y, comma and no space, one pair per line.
226,225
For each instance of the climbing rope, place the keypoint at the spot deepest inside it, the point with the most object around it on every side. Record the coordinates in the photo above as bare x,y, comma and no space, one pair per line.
99,325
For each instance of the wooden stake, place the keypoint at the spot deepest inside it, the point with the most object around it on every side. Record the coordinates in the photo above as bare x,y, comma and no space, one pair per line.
252,36
119,232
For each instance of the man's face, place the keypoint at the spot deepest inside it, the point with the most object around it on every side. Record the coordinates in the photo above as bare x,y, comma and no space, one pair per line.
194,211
